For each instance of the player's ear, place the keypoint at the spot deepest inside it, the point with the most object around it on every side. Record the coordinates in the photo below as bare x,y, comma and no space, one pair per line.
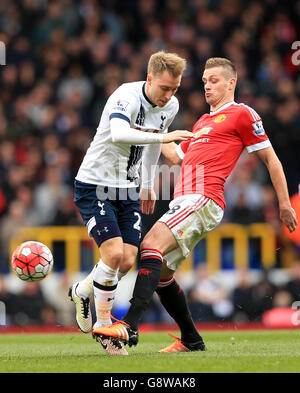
149,79
232,83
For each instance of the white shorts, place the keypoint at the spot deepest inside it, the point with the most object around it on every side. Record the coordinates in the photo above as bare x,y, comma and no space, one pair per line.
190,218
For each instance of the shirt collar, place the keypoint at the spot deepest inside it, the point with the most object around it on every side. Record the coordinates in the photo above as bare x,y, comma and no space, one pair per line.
221,108
145,96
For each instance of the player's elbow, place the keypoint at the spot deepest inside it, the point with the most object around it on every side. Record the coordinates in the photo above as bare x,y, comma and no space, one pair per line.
170,153
116,137
175,160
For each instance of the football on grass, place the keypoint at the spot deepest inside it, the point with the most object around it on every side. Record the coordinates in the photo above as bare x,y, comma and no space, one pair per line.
32,261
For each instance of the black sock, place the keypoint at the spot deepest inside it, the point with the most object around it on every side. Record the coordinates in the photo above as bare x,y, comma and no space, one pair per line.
145,285
173,299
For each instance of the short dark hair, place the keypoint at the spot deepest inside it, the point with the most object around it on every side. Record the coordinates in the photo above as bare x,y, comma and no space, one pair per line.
222,62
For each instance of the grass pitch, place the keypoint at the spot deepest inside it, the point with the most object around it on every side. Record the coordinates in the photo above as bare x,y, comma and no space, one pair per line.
227,352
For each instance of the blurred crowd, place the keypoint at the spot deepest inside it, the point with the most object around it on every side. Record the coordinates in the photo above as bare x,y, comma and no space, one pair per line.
65,57
247,299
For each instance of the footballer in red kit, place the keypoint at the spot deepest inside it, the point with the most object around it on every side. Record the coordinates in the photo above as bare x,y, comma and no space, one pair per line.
198,204
220,138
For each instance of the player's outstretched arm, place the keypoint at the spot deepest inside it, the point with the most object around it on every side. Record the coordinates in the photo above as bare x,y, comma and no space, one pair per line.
287,213
121,132
178,135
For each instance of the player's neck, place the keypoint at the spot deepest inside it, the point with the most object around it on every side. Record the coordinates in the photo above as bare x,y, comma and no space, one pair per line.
147,94
217,106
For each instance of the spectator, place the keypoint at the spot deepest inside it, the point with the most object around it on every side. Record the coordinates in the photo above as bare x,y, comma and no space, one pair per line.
247,188
263,293
242,297
8,300
282,299
15,218
49,194
31,308
59,302
208,301
241,213
76,83
66,214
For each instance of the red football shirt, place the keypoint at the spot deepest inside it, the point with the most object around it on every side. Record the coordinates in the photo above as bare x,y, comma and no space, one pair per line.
221,137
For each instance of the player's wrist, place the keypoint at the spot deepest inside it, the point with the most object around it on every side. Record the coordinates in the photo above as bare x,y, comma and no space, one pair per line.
285,205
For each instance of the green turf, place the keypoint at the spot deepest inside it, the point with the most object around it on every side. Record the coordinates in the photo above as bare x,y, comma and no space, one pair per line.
228,351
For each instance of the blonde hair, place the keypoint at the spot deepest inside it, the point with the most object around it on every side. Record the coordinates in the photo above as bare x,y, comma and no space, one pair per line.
163,61
228,66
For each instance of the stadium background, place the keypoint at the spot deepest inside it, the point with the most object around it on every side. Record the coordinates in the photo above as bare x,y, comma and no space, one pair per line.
64,58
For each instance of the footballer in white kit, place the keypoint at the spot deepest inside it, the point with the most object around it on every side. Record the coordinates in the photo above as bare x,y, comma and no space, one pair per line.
113,164
133,125
113,161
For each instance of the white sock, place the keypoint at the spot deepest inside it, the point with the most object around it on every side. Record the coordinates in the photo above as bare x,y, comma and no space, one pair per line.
85,287
105,286
99,324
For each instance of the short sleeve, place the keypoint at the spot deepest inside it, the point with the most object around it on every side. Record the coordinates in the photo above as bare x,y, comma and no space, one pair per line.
251,130
182,148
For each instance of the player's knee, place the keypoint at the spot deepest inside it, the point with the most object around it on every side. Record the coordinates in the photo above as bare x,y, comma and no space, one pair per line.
112,252
158,238
129,259
166,273
116,259
149,242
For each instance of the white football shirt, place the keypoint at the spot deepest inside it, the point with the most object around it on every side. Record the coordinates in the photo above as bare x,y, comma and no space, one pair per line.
117,164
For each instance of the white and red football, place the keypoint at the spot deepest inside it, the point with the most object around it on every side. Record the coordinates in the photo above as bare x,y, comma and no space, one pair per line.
32,261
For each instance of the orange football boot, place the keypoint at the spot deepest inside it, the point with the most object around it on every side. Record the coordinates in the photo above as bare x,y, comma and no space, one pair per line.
178,346
120,330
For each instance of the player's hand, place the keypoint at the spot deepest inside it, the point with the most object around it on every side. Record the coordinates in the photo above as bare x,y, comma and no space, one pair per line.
148,199
178,135
288,217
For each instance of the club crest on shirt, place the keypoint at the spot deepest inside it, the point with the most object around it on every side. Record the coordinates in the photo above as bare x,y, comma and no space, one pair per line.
203,131
220,118
163,117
